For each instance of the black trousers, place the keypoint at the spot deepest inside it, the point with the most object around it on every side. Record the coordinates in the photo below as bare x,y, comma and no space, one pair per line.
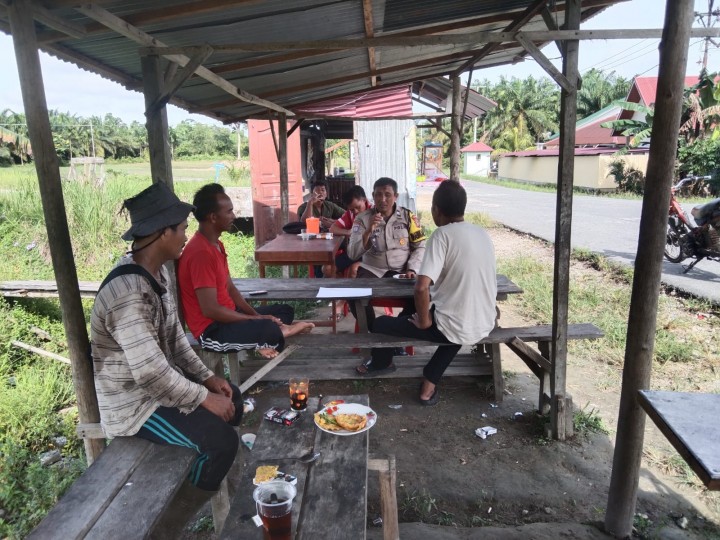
407,310
402,327
252,334
214,440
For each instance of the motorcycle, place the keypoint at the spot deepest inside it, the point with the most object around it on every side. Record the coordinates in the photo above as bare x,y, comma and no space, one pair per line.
685,239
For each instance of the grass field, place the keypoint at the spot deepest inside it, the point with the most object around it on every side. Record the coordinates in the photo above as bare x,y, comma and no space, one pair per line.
201,172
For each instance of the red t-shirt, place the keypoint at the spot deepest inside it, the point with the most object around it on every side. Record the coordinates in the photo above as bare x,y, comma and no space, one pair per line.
348,218
202,265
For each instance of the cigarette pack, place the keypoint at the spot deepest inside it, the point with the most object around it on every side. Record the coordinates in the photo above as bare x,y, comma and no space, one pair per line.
281,416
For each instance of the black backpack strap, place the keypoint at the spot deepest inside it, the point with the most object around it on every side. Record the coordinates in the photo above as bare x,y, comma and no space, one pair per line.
125,269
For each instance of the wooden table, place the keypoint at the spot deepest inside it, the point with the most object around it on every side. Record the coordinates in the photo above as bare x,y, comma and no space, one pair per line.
331,500
307,289
691,422
290,250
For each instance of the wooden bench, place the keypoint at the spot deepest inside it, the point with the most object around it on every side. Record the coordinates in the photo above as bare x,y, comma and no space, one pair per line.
122,494
313,360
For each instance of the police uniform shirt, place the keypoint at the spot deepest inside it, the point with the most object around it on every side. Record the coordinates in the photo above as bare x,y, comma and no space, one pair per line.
397,244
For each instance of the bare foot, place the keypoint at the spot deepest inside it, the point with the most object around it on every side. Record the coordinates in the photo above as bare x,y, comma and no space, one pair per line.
267,353
426,390
300,327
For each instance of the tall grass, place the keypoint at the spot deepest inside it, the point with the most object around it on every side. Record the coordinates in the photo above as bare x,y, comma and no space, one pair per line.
36,398
604,299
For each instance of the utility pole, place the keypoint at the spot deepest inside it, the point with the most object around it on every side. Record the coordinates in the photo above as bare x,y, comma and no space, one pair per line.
709,23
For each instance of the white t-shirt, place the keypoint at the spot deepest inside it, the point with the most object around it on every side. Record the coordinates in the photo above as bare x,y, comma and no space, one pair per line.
460,260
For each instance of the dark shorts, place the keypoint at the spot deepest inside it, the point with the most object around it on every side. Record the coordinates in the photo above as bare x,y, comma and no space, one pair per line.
343,262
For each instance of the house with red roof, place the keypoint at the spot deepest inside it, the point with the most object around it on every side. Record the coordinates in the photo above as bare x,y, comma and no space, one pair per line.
589,132
477,158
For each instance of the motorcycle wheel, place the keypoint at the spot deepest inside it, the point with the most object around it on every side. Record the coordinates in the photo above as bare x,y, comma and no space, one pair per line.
673,247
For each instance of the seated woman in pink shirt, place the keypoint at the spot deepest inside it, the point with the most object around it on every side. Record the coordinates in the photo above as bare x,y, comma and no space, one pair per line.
355,201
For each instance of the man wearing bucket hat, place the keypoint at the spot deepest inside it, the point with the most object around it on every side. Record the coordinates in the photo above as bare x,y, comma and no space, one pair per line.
149,382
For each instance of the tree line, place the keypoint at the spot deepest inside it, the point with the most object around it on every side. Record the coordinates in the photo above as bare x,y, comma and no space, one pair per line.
111,138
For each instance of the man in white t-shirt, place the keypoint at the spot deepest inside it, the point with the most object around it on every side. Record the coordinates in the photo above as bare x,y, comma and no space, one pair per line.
454,294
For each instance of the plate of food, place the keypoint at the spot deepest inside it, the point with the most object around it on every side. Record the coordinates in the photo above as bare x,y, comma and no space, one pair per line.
404,278
345,418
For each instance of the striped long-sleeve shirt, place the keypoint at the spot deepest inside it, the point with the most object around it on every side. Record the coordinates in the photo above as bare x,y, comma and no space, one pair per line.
142,359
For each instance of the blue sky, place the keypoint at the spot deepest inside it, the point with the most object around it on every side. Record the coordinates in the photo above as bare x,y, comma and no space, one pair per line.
70,89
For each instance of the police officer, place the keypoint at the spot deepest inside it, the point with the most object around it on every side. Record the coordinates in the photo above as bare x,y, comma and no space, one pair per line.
388,238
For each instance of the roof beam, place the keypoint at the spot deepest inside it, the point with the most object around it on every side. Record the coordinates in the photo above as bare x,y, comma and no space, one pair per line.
370,32
187,9
47,18
531,11
545,63
176,80
492,38
362,75
138,36
426,116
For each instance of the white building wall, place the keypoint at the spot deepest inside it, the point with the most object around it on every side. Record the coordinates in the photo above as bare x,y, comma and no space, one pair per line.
387,148
477,163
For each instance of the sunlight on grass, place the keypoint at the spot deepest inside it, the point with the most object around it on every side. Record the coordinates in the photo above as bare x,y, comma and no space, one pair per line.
603,298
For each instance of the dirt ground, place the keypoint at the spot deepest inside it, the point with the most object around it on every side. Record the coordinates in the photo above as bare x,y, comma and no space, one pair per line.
460,486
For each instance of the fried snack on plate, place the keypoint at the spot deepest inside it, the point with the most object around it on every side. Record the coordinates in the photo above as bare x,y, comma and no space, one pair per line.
327,421
264,473
351,422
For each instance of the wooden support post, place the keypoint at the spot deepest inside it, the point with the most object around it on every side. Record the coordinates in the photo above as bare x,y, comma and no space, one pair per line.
563,223
156,121
388,494
642,319
282,157
20,15
455,130
220,504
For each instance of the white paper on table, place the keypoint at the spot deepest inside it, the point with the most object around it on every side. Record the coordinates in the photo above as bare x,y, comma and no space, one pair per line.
343,292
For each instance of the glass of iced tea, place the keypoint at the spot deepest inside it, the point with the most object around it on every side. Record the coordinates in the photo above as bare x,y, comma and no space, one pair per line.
299,393
274,506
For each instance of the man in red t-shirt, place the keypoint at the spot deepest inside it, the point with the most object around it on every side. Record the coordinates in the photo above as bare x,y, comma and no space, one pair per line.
215,311
355,201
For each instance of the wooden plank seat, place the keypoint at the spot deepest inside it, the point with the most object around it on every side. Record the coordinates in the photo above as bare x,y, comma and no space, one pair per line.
122,494
328,356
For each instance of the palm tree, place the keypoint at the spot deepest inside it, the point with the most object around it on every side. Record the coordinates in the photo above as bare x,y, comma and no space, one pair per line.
514,139
534,103
14,135
638,129
701,108
599,90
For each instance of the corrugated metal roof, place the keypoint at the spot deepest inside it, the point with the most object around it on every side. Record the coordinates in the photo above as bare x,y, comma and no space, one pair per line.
292,77
378,103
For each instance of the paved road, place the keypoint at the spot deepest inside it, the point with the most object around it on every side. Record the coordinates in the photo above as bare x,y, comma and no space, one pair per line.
604,225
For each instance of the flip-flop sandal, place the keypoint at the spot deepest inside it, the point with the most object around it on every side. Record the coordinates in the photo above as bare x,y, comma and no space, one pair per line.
366,369
432,400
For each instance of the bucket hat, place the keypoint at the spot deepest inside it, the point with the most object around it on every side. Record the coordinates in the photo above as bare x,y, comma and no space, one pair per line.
154,209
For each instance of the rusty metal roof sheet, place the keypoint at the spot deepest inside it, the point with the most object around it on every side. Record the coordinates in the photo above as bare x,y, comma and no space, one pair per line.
286,75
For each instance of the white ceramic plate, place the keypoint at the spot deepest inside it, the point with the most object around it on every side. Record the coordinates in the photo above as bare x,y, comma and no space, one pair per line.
350,408
402,279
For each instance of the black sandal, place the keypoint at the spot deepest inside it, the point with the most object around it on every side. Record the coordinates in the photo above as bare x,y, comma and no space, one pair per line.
366,369
432,400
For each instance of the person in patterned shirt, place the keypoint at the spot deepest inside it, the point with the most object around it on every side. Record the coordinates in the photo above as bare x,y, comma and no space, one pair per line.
149,382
